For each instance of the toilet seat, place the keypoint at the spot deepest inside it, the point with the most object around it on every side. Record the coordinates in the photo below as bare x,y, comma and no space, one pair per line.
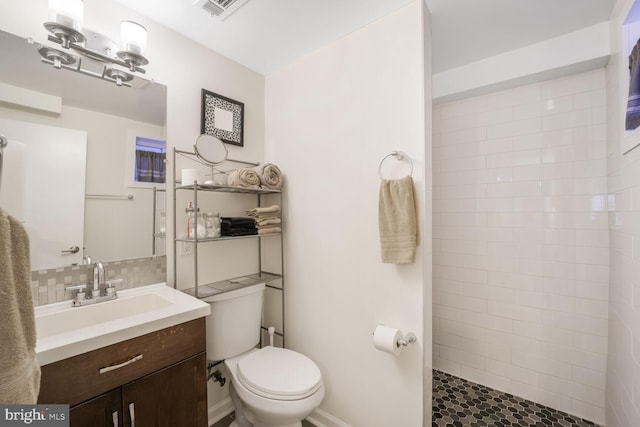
279,374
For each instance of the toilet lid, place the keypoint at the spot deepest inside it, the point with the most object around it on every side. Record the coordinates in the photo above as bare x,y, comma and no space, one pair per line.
280,374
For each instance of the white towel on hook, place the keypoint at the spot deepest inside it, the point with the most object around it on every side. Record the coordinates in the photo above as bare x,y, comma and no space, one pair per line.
397,221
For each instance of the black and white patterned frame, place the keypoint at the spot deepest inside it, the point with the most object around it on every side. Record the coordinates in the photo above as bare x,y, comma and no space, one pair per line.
232,132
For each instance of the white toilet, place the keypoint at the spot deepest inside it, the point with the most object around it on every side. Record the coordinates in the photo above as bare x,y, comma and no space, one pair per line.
271,386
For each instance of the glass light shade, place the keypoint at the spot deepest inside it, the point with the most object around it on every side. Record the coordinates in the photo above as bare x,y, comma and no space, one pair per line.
133,38
67,12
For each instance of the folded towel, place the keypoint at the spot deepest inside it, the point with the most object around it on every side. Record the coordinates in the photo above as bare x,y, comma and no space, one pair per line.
237,226
264,210
265,217
397,221
270,176
265,222
237,221
244,177
269,230
19,370
238,232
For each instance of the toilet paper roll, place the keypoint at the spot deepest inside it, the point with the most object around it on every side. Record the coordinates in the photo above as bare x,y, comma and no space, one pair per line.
189,176
385,338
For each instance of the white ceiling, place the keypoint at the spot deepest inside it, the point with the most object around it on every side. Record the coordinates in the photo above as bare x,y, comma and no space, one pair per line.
265,35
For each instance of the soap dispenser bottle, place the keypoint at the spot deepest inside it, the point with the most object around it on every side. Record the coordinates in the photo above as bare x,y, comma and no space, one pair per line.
191,220
195,223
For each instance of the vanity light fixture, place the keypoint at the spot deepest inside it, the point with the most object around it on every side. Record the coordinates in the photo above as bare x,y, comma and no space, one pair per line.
65,26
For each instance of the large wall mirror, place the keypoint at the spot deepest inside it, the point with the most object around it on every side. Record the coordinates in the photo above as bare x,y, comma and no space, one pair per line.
68,167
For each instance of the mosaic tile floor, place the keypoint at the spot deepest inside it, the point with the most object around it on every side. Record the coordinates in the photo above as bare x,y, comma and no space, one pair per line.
460,403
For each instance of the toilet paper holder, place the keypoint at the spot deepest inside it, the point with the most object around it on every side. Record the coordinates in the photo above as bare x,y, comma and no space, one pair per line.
409,338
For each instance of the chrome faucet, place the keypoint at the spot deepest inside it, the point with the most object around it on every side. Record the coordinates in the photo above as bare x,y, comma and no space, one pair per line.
97,294
98,275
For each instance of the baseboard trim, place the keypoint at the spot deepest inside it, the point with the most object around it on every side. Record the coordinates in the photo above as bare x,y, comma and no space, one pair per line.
220,410
320,418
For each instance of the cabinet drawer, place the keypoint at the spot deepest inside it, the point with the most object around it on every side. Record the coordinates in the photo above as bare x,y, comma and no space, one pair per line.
79,378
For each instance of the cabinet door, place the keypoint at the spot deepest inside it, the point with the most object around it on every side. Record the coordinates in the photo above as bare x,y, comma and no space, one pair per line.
102,411
174,396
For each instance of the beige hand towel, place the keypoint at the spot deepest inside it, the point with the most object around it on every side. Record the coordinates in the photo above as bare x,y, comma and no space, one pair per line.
262,222
270,176
19,370
265,210
397,221
244,177
269,230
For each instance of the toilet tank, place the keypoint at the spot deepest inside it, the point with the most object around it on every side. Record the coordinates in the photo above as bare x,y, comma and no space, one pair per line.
233,326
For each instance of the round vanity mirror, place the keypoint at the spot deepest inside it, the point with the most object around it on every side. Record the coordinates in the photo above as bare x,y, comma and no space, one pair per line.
210,149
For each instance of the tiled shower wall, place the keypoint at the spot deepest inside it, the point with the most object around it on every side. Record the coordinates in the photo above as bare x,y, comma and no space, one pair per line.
48,286
623,365
521,244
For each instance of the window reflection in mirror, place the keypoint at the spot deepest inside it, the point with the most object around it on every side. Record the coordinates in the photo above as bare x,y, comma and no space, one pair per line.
150,161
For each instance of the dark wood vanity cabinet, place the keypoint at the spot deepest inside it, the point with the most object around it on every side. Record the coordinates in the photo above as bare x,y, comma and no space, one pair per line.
164,385
102,411
171,385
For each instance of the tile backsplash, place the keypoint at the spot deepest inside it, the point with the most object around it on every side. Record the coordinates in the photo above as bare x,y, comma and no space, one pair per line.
48,286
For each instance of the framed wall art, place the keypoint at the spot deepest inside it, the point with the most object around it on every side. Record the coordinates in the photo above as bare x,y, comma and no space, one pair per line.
223,118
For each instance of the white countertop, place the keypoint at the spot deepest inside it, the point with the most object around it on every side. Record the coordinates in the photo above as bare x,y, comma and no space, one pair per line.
64,331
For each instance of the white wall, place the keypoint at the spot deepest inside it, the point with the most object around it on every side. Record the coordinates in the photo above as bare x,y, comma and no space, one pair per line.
623,364
427,232
331,117
520,242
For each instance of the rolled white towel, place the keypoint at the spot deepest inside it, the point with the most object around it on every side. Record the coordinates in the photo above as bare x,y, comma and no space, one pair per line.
244,177
270,176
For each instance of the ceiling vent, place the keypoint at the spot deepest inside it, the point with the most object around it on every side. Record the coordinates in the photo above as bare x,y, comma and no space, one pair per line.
221,9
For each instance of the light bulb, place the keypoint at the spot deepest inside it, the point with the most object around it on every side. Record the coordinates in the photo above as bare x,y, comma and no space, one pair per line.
67,12
133,38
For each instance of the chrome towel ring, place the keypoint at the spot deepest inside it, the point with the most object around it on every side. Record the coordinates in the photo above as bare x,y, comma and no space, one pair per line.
399,155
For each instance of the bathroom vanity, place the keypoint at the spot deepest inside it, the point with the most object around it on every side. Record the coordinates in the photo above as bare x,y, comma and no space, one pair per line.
137,369
156,379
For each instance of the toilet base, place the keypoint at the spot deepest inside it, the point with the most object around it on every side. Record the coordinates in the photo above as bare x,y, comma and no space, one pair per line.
242,421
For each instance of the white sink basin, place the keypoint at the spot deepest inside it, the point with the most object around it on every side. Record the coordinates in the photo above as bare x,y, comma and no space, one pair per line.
65,331
62,321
